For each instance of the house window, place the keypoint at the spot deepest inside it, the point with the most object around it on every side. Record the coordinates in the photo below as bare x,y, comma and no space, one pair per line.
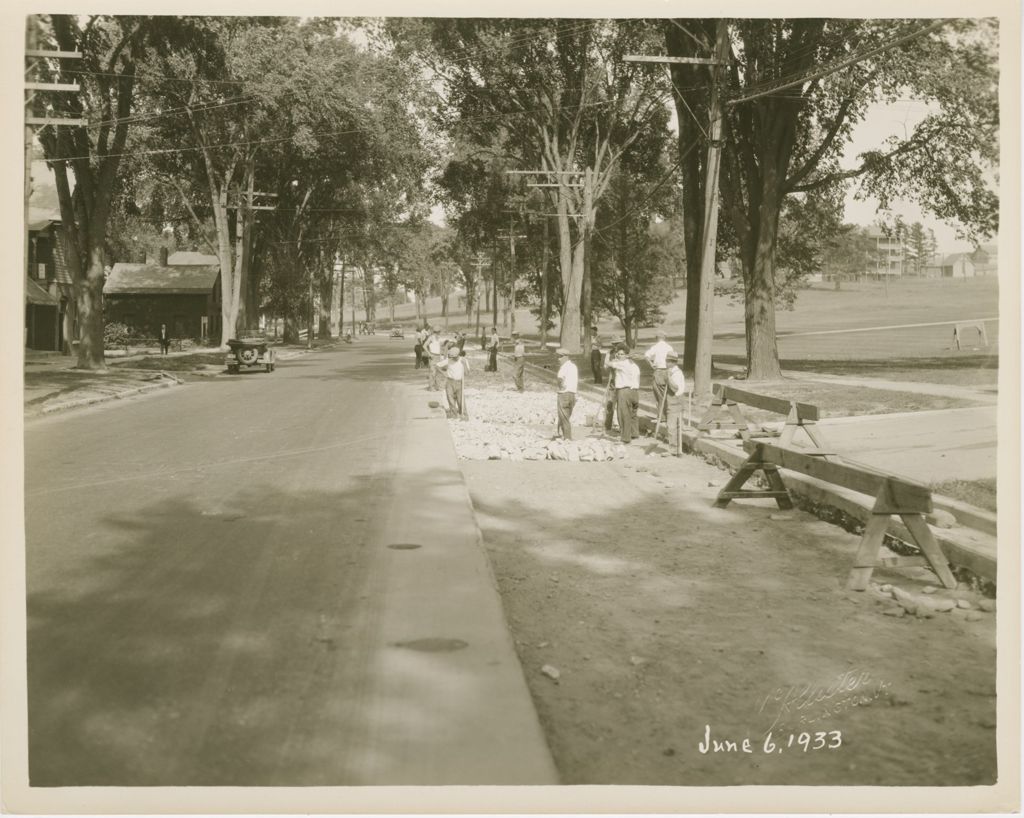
41,271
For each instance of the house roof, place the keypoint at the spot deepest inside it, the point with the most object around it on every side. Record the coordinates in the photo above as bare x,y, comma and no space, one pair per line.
37,294
953,258
192,257
154,278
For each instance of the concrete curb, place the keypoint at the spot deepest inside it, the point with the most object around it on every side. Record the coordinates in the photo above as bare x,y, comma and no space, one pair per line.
95,399
964,548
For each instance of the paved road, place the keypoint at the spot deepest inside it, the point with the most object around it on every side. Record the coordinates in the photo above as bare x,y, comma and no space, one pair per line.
212,599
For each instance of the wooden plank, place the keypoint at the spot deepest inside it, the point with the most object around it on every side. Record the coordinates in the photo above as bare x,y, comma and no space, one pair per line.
780,406
906,496
53,86
867,552
66,55
782,497
49,120
685,60
925,540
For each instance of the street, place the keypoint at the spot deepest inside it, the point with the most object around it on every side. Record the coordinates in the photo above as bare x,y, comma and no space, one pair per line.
211,599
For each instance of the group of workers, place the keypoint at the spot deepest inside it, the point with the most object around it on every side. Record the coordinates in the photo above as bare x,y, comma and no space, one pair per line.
446,361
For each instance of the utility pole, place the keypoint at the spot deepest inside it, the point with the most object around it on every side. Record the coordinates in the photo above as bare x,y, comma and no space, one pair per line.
479,283
512,236
33,52
709,235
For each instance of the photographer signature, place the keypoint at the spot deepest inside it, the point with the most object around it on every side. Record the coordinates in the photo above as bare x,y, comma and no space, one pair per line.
850,688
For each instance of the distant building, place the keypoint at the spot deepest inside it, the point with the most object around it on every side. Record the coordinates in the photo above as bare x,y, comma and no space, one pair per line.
890,252
50,309
955,265
186,297
986,259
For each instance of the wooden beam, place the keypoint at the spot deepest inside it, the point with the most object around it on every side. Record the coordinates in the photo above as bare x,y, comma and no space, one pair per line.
780,406
688,60
53,86
66,55
47,120
904,495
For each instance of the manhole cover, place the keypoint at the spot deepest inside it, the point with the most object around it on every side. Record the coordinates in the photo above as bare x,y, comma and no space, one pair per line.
405,546
434,645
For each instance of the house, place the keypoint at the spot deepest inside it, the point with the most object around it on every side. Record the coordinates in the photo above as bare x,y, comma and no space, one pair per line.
986,259
889,254
50,309
186,297
955,265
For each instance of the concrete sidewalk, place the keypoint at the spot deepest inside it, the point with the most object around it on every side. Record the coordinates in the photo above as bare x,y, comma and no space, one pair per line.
455,708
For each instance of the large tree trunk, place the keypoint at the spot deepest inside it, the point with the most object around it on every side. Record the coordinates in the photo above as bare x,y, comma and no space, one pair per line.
89,297
545,300
759,296
569,336
326,299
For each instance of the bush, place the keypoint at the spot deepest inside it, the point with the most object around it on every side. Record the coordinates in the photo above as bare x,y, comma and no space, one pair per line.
116,334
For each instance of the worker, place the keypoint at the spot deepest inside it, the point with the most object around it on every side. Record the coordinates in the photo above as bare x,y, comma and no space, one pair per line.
655,356
627,391
433,347
596,356
568,384
492,350
456,368
518,360
675,390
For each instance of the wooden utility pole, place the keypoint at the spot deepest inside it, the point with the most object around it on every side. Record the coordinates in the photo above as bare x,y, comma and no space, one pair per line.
479,286
709,235
33,52
587,285
512,236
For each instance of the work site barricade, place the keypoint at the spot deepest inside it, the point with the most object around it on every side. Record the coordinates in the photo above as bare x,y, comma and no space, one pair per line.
798,415
906,499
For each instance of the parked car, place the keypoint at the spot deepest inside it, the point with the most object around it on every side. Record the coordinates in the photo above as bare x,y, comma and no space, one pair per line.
398,332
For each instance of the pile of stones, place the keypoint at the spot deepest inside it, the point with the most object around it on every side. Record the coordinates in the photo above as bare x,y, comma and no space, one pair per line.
510,425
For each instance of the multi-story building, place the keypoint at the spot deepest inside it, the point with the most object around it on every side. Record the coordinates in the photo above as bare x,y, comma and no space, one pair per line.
890,252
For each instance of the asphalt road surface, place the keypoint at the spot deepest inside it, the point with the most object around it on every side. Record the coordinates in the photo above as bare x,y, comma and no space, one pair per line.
214,596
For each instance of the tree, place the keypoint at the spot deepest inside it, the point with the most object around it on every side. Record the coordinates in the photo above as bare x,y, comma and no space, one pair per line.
551,95
796,88
112,48
848,255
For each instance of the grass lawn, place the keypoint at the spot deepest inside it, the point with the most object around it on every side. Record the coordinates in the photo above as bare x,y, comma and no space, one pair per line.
171,363
980,493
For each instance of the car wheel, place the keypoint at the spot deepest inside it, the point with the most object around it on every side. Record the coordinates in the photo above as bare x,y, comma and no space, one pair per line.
248,355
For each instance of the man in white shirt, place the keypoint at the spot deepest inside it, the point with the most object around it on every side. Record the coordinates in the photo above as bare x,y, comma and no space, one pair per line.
568,384
456,367
436,358
627,391
675,390
518,360
656,358
492,350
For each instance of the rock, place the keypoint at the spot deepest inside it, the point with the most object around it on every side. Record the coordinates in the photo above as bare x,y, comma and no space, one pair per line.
964,604
886,589
941,604
713,484
551,672
929,589
987,605
922,602
974,616
940,518
923,613
895,610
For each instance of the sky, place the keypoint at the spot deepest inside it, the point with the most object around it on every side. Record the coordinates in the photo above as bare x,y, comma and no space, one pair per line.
881,121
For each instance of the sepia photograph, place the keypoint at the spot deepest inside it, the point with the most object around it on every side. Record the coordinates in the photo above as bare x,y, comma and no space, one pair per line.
531,399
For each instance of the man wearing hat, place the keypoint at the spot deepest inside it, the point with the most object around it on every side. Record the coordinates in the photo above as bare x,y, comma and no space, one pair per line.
675,389
518,360
433,346
492,350
455,367
656,358
568,383
627,391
